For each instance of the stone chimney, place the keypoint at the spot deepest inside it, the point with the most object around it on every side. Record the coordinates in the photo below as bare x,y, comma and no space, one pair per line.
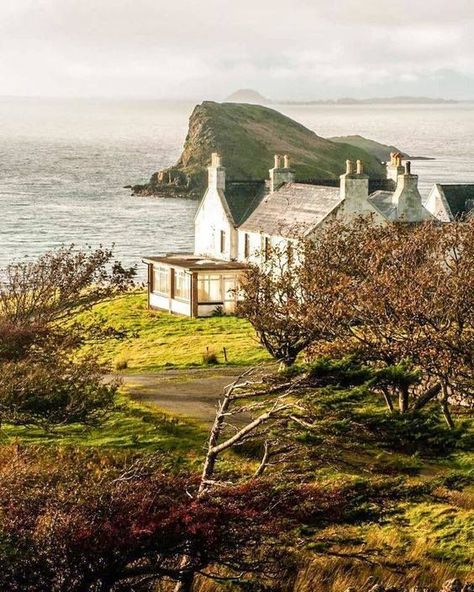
407,198
354,188
279,174
216,173
395,167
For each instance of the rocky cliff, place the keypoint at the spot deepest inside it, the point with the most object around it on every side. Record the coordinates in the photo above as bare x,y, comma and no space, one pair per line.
247,137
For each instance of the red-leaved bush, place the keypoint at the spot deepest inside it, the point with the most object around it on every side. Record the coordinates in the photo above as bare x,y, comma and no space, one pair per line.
75,521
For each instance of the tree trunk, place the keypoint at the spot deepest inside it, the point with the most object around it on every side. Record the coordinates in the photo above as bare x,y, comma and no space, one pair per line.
403,399
427,396
185,583
388,399
445,408
287,361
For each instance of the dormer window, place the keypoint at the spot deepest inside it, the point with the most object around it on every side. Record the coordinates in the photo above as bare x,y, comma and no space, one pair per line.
222,241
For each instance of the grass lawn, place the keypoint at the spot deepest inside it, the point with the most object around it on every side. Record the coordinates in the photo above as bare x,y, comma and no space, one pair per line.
160,340
132,427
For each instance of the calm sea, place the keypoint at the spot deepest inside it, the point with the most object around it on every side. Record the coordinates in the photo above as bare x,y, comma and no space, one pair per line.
63,165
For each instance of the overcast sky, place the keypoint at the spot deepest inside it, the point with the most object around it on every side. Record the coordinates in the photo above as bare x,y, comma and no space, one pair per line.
296,49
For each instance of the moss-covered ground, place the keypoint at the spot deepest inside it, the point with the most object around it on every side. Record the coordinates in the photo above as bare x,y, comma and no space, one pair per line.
158,340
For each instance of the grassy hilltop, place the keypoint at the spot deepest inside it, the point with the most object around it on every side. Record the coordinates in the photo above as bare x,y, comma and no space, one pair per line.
247,136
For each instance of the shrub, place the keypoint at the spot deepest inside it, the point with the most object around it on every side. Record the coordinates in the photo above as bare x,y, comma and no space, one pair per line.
417,432
209,358
54,391
121,364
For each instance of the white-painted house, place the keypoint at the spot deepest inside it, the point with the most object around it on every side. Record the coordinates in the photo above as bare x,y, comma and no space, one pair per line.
238,222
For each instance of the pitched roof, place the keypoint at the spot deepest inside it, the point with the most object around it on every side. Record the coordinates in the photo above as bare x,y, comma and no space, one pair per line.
460,198
294,208
243,197
382,201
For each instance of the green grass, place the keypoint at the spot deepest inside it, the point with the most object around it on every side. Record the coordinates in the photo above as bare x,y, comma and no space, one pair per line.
444,532
132,427
160,340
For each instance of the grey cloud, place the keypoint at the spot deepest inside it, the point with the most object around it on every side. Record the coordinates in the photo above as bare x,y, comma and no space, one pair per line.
304,48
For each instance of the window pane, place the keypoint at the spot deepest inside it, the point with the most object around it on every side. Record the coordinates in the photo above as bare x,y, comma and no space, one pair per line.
160,280
181,287
215,290
209,288
202,294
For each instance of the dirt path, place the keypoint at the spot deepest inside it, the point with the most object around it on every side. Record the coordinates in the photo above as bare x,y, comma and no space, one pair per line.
192,393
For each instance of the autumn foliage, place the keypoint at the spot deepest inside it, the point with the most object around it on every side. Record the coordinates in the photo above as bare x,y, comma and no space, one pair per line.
44,381
399,298
82,522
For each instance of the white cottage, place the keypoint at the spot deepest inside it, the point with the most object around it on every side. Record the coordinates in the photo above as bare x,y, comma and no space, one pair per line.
238,222
199,284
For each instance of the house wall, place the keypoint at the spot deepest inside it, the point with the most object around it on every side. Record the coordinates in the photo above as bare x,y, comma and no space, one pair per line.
210,220
170,304
436,205
256,242
254,246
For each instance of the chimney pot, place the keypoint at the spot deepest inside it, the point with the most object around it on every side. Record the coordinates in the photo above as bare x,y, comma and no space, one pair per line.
216,160
360,167
286,161
279,175
216,173
349,167
408,167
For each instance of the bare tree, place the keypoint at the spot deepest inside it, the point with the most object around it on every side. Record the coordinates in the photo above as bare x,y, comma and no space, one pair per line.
292,301
256,403
407,309
398,297
59,282
44,380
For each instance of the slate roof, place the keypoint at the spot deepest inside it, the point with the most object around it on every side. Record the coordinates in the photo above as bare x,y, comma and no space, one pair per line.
243,197
292,209
382,201
460,199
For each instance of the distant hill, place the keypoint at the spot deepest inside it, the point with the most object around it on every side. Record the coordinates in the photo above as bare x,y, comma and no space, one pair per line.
247,137
247,95
380,151
399,101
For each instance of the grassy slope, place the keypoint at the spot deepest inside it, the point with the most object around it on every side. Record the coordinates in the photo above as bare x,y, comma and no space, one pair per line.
432,540
132,427
163,340
247,136
381,151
